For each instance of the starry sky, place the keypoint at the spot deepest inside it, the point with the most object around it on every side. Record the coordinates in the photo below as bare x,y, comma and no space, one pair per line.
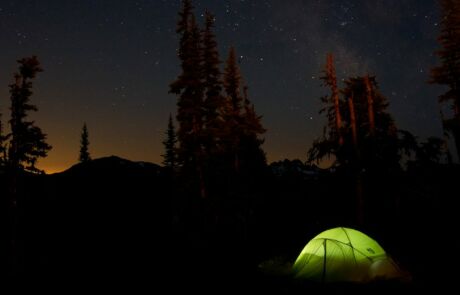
109,63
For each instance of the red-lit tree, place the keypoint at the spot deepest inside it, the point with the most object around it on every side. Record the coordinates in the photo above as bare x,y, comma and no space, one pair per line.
448,73
243,125
189,88
2,145
214,101
27,141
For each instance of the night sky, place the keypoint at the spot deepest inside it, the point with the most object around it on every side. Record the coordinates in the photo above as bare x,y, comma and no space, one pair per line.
110,63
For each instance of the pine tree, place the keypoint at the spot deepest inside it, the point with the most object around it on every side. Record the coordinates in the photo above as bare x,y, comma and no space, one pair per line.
369,132
232,83
448,73
332,140
28,142
2,145
170,157
189,87
333,101
233,108
374,135
243,125
214,101
84,146
251,154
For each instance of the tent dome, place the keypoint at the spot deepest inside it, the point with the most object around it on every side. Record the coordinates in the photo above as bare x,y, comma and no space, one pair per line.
344,255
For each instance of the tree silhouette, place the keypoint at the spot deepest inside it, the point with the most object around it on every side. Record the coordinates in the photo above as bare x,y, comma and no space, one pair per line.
170,157
28,142
3,149
84,146
214,101
242,124
448,73
332,102
374,135
189,87
216,128
366,144
370,136
233,108
332,140
251,154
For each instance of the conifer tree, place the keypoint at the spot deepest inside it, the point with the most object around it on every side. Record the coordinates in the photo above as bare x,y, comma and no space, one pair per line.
214,101
243,125
169,157
370,135
376,135
448,73
233,108
332,140
189,86
251,154
2,145
84,145
189,89
28,142
333,101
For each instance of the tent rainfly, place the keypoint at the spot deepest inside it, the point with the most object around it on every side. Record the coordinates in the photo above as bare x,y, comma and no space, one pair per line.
345,255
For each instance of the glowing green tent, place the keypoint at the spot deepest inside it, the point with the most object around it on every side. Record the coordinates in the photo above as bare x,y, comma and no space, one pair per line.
344,255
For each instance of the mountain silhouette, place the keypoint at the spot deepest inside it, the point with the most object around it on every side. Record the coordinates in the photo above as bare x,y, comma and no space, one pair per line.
106,219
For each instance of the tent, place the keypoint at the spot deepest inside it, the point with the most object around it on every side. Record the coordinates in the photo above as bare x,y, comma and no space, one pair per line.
345,255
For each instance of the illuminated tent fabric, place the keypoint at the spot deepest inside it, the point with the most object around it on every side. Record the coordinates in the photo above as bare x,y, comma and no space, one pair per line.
344,255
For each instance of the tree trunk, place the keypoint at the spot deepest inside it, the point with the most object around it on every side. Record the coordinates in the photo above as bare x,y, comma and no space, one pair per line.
370,105
338,117
354,130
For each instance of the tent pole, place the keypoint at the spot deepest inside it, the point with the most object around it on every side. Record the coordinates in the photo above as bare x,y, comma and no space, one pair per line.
324,262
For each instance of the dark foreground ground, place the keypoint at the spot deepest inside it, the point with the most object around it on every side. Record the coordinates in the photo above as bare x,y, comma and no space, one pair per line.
115,224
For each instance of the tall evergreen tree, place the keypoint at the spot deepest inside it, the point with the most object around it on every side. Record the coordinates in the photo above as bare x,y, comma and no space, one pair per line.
28,142
376,135
214,101
370,135
332,140
243,125
251,153
333,101
371,146
233,108
170,157
2,144
84,145
189,87
448,73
